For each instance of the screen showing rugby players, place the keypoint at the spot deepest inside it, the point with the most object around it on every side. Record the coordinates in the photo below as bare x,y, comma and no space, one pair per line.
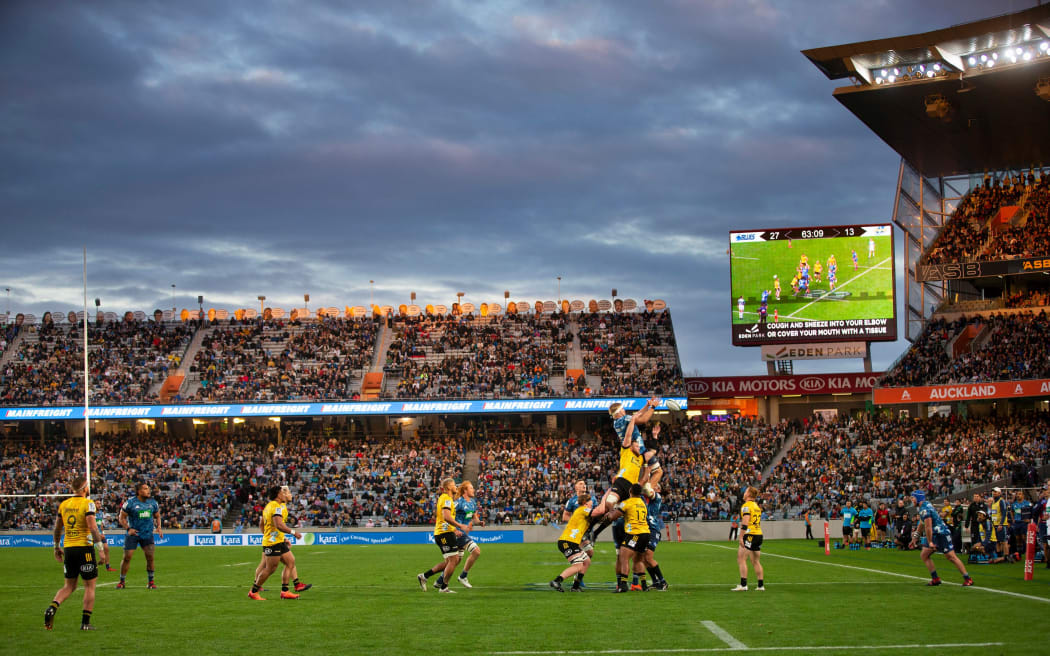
820,284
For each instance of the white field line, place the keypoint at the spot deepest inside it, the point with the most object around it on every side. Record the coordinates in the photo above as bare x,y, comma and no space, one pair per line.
881,571
701,650
865,272
723,635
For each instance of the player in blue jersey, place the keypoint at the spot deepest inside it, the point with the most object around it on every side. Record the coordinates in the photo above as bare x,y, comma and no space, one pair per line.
938,538
765,296
654,505
832,279
139,516
466,513
864,518
631,471
1021,515
853,253
848,515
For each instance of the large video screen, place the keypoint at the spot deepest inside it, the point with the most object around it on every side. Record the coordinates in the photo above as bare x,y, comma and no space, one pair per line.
818,284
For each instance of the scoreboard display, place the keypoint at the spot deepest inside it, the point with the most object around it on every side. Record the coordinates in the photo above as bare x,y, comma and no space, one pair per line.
817,284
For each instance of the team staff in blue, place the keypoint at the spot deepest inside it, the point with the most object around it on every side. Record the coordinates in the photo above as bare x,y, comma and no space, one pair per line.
139,516
864,519
1021,513
938,538
848,515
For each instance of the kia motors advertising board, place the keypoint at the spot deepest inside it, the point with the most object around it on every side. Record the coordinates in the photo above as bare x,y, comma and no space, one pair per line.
743,386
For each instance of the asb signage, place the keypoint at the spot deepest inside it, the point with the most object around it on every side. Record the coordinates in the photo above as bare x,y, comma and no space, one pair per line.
776,353
964,270
961,392
724,387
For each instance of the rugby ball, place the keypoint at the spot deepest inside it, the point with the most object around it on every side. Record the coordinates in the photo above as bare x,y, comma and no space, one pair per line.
672,405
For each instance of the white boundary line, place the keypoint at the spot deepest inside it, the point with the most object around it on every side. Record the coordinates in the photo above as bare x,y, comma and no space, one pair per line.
723,635
841,286
701,650
881,571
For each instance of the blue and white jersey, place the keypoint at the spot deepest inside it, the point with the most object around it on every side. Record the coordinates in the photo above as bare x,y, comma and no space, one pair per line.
141,514
620,426
926,509
765,295
572,504
655,514
465,510
864,516
848,513
1022,511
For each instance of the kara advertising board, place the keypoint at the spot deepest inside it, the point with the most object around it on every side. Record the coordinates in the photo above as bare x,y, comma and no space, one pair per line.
819,284
255,539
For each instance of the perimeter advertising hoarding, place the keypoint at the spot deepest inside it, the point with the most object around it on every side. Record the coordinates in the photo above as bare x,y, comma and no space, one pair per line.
380,408
818,284
961,392
725,387
964,270
255,539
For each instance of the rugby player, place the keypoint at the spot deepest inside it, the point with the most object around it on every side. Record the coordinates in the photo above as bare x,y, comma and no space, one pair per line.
76,518
446,530
137,517
938,538
569,544
750,541
276,549
580,487
631,459
636,537
654,512
466,510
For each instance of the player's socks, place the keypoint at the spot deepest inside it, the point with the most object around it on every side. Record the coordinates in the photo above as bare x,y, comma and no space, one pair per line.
149,573
558,579
284,587
85,619
441,581
634,579
122,577
761,583
655,573
49,615
933,575
255,588
743,581
427,574
463,574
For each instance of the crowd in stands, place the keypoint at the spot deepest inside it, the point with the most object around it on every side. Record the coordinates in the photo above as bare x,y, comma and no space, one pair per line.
634,353
971,233
884,459
127,359
286,361
1017,347
926,357
1027,298
462,356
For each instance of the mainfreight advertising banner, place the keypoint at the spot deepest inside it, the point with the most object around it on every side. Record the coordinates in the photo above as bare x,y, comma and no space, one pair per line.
255,539
961,392
516,406
732,386
963,270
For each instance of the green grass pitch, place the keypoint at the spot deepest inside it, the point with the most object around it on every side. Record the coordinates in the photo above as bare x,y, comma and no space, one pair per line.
365,600
870,286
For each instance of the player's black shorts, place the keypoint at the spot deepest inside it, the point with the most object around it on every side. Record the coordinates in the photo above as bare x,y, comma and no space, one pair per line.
464,543
637,542
847,530
753,542
622,488
654,540
447,543
276,550
865,532
80,561
572,551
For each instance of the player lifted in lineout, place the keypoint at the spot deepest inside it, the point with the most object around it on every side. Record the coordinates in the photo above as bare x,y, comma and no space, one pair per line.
635,462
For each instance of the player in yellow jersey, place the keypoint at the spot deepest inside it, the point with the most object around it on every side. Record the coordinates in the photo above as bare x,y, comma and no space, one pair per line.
569,544
76,518
776,286
446,530
817,270
750,540
276,549
634,466
631,555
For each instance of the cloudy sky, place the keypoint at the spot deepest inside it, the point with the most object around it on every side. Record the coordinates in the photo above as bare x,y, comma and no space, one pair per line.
281,148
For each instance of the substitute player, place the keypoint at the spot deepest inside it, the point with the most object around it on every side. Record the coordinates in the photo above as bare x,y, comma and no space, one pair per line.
76,518
938,538
446,530
750,541
276,549
137,517
466,513
636,538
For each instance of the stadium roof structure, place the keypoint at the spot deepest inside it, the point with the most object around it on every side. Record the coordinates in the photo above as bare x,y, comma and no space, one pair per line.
954,101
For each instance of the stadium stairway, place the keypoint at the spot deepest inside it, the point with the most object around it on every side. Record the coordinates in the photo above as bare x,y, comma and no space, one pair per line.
472,466
232,516
788,443
187,361
13,347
